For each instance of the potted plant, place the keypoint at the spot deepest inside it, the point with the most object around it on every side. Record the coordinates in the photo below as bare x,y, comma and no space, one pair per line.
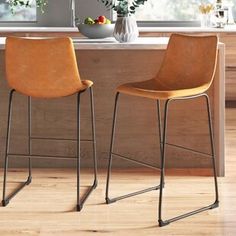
126,29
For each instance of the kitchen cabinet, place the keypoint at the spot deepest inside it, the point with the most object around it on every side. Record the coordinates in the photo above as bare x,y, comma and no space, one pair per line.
110,64
229,39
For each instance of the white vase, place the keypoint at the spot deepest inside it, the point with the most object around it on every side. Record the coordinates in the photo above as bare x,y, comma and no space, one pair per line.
205,20
126,29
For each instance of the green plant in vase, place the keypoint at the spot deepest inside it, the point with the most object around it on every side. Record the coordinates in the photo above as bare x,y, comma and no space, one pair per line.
123,7
126,29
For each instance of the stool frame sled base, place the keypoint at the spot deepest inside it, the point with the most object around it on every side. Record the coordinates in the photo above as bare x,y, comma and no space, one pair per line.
163,143
80,200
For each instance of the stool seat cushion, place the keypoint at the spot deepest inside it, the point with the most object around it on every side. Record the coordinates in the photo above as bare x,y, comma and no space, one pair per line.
156,90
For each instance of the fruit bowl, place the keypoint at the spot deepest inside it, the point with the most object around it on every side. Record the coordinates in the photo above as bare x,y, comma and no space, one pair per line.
96,31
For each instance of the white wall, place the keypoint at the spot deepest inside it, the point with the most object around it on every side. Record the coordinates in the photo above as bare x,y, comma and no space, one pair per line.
91,8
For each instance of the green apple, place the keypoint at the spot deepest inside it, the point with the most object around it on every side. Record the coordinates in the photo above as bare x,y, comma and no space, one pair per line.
108,21
89,21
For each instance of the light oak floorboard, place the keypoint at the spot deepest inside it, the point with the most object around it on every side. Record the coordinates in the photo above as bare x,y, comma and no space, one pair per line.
46,207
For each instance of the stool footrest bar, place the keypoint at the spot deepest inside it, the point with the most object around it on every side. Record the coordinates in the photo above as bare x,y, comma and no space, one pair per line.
166,222
42,156
188,149
112,200
137,162
60,139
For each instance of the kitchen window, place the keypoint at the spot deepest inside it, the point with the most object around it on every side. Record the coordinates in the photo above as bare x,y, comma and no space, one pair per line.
57,13
173,13
152,13
28,14
168,12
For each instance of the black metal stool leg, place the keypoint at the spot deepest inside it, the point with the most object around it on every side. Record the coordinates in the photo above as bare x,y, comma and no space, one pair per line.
6,200
81,201
111,149
216,204
159,123
161,222
79,206
93,138
29,138
160,131
111,153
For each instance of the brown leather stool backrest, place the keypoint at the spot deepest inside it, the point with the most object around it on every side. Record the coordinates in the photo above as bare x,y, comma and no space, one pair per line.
44,68
189,61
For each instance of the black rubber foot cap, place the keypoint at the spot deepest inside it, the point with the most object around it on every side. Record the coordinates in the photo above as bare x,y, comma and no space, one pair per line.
5,202
109,201
95,184
29,180
79,207
215,205
163,223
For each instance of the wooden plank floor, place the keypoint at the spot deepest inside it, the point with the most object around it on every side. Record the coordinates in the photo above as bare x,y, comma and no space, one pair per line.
46,207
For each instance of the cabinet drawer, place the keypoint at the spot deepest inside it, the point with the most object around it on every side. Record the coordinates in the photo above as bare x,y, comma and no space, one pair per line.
230,84
230,48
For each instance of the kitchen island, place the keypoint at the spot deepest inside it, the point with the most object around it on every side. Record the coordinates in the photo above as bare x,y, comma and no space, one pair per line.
110,64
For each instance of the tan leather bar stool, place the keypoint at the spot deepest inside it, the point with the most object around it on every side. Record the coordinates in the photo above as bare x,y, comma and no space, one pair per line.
46,69
187,72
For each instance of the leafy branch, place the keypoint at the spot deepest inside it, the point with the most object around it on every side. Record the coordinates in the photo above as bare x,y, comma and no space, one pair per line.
122,7
26,3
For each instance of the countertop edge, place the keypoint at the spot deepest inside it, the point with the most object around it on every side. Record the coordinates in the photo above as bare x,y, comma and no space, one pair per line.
142,43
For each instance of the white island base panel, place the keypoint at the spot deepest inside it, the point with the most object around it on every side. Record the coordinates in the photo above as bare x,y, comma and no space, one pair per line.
109,64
